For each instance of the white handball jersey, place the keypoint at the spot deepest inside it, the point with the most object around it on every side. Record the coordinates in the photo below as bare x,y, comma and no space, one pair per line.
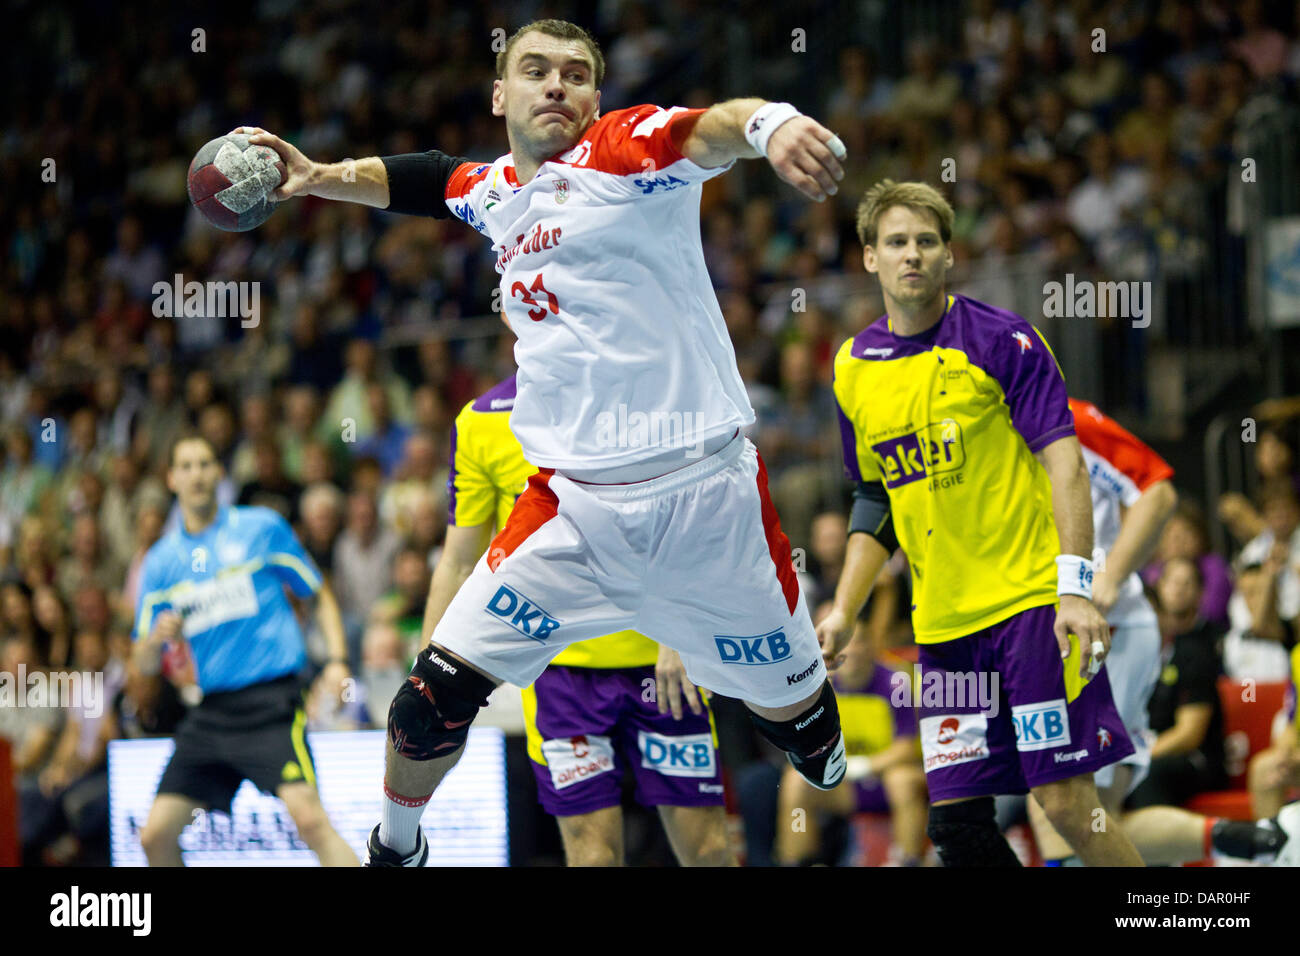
622,349
1120,468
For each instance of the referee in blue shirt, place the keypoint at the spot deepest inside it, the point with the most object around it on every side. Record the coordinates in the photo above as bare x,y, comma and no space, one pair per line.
219,580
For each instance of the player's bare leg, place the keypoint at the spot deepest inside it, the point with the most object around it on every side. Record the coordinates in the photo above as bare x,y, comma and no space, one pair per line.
170,814
1074,809
593,839
698,835
1271,772
428,724
908,808
302,801
799,804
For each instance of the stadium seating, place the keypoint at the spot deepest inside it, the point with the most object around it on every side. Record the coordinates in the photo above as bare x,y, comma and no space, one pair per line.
1247,724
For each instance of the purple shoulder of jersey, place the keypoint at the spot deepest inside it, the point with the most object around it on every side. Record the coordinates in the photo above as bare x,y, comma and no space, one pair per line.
1002,344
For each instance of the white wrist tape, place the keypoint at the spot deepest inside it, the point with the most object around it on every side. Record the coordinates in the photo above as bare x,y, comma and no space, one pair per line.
763,122
1073,575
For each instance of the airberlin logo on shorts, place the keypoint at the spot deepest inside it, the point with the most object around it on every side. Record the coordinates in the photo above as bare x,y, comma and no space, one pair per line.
522,614
951,739
764,649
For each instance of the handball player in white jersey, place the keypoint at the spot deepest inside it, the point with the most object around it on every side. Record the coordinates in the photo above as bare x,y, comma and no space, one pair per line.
650,511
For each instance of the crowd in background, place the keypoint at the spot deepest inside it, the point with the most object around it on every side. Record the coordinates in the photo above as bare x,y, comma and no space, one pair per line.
335,407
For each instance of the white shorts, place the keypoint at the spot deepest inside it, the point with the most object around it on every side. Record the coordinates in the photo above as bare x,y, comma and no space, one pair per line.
694,559
1133,667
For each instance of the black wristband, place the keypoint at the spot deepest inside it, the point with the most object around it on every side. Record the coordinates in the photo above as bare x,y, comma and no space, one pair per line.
417,182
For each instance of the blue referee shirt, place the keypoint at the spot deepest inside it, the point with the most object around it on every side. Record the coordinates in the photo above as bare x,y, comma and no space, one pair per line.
227,584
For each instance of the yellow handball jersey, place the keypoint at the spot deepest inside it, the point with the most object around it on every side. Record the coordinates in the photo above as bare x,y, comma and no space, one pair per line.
949,421
488,472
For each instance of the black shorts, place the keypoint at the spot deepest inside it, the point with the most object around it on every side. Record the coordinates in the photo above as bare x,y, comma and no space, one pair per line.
257,733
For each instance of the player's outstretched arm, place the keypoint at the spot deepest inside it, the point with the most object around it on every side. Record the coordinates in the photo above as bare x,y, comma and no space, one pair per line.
803,152
362,181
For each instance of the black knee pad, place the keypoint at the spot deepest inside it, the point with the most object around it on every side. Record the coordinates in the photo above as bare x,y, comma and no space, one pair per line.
812,740
965,834
431,712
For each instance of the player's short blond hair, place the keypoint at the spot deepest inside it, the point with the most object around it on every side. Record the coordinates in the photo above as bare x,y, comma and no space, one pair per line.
561,30
919,197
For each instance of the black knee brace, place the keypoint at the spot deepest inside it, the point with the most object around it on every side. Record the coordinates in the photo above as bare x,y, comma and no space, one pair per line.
431,713
812,740
965,835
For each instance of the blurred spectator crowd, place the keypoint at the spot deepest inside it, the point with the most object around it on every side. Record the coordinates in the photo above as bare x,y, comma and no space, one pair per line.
335,407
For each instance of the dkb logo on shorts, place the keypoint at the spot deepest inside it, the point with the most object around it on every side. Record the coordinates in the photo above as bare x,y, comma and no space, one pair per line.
1042,726
764,649
690,755
522,614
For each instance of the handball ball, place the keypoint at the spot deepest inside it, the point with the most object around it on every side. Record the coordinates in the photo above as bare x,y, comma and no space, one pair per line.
230,181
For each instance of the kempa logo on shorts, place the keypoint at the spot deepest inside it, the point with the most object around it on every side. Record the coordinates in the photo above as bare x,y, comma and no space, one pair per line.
1043,726
79,690
522,614
802,675
763,649
77,909
1066,758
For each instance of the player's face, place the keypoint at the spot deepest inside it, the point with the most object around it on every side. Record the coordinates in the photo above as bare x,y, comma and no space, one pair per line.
194,475
909,256
548,96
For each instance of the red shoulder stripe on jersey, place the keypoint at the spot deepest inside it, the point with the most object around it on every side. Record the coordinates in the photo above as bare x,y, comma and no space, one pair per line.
536,506
623,141
464,178
1117,445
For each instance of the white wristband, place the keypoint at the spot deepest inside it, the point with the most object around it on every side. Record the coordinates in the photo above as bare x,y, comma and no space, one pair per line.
1073,575
763,122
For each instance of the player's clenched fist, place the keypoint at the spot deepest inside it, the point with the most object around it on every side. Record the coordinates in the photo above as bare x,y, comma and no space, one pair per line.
298,167
806,155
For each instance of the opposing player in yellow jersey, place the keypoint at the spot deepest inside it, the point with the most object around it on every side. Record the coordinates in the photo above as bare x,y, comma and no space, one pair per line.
958,433
603,703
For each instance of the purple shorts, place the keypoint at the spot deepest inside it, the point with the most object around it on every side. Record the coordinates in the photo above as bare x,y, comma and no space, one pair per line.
585,724
869,796
1038,727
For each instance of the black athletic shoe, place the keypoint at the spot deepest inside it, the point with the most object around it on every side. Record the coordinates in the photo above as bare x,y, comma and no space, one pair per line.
824,769
379,855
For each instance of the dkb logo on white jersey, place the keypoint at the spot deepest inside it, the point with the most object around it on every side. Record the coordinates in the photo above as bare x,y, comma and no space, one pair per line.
522,614
764,649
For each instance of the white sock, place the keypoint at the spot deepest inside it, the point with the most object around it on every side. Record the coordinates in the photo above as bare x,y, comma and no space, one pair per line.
401,821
